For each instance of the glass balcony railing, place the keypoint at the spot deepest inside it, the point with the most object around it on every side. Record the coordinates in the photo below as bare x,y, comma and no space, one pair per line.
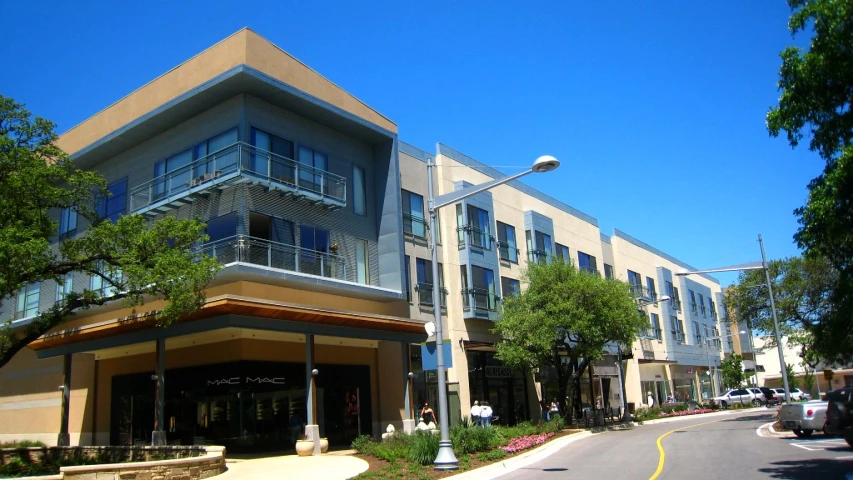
424,291
675,303
641,292
483,300
475,237
590,270
538,255
508,253
414,225
265,253
231,164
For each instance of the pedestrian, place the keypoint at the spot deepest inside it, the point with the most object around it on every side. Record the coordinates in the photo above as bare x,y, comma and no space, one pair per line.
650,399
486,414
555,409
428,415
544,407
475,413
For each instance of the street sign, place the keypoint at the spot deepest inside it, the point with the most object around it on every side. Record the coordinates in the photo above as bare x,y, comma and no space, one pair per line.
429,358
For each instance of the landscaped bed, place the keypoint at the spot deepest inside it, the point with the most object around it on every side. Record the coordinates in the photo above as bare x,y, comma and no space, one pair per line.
411,456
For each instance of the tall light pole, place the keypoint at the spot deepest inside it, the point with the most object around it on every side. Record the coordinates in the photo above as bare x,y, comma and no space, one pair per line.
762,265
446,460
708,352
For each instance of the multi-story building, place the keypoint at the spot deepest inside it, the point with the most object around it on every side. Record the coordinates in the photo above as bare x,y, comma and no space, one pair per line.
318,212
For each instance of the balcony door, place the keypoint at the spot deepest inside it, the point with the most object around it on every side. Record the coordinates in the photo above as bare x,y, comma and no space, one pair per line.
312,178
313,257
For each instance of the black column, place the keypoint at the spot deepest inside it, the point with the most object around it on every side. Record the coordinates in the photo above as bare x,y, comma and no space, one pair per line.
64,439
158,436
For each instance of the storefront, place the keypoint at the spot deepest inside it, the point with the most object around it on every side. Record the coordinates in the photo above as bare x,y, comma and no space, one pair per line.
243,405
684,384
505,389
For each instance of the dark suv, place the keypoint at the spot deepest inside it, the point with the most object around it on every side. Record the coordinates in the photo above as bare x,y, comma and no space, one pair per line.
770,397
839,413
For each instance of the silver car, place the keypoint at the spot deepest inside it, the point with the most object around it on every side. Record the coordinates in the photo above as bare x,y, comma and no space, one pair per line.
796,394
803,418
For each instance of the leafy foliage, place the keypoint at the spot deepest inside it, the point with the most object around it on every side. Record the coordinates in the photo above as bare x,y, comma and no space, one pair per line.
424,448
732,371
138,260
808,379
565,313
792,377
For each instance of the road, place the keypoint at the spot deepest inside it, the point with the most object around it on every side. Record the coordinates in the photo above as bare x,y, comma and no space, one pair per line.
734,446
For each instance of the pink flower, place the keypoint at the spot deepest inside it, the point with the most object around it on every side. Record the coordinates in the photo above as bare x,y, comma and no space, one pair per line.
523,443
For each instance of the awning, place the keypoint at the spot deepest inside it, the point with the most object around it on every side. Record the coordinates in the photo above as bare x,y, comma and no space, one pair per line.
643,361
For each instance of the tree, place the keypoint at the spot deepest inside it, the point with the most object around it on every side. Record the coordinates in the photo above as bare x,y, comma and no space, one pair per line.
731,369
136,259
792,377
808,378
817,98
564,320
803,290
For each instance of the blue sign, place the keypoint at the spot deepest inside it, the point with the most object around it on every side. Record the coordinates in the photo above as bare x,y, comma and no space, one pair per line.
429,358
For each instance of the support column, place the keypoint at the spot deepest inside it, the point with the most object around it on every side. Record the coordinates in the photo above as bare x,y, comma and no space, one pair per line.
312,430
158,436
64,438
408,378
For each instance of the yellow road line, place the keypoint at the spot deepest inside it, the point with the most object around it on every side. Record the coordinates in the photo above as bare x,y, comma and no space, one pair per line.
660,446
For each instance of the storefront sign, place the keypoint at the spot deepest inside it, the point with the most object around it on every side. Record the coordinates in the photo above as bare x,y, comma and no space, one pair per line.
690,371
498,372
248,380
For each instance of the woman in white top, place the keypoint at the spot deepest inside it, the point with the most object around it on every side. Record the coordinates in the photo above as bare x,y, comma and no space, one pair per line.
475,413
486,414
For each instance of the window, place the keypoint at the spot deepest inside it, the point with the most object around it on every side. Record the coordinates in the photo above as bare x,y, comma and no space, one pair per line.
693,301
222,227
713,308
101,286
180,175
697,333
63,288
563,253
414,222
656,332
407,268
115,204
359,191
483,288
587,263
509,287
425,284
67,223
479,227
634,278
701,304
28,301
539,246
318,164
507,246
608,271
313,255
650,284
677,329
674,299
212,156
263,164
362,269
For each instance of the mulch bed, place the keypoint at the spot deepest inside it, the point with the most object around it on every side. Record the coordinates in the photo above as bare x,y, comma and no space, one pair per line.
380,468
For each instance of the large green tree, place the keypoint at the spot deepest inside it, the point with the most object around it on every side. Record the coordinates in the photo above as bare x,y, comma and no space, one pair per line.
564,320
817,101
136,259
731,369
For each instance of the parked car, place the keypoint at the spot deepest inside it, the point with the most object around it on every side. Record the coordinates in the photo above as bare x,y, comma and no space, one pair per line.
737,395
796,394
770,397
838,413
759,394
804,418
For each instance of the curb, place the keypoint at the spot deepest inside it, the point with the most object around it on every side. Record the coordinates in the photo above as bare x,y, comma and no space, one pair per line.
703,415
532,456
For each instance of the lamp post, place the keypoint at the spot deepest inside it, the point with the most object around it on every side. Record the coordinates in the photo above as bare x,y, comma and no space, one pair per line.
446,460
762,265
708,353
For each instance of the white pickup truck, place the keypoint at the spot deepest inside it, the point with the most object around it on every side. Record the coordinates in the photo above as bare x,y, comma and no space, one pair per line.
803,418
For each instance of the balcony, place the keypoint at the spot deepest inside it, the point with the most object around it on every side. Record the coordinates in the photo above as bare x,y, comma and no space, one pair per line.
642,293
424,291
678,336
538,255
484,301
507,252
474,237
675,303
590,270
694,308
415,226
238,163
256,251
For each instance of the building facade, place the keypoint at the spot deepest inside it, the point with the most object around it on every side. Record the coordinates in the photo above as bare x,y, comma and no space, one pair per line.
318,213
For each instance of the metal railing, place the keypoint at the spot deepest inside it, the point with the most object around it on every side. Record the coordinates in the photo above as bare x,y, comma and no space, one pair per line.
678,336
694,308
484,300
475,237
508,252
240,158
698,338
414,225
538,255
640,291
675,303
424,291
594,271
257,251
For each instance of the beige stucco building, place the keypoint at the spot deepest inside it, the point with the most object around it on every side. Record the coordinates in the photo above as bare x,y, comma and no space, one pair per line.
318,212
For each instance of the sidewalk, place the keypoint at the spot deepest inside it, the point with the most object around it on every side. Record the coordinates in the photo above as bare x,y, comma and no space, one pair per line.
338,465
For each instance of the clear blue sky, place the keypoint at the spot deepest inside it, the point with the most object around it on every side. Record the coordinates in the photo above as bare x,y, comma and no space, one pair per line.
656,110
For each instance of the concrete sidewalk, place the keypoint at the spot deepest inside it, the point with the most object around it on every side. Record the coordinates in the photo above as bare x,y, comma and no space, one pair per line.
328,466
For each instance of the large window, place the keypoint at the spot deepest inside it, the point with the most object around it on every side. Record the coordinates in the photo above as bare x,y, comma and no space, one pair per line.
653,291
701,303
216,158
222,227
263,164
509,287
563,252
479,227
175,173
101,286
697,333
634,278
414,222
64,286
693,301
656,332
359,191
312,178
28,301
507,245
674,298
677,329
587,263
713,308
483,288
362,262
539,247
313,255
115,204
67,223
608,271
423,271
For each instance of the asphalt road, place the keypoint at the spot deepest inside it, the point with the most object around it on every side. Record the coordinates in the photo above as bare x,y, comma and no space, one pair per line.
731,447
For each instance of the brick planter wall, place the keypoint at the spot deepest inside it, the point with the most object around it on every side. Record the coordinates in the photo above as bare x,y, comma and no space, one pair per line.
209,465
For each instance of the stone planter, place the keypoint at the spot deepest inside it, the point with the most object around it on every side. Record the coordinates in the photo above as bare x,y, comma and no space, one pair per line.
324,445
305,448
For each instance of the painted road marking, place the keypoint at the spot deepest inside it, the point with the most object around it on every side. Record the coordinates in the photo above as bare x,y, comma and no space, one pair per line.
662,458
758,430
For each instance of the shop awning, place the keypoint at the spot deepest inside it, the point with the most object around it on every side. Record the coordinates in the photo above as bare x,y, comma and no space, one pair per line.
643,361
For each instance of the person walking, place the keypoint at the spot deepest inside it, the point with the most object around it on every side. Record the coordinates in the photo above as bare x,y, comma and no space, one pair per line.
486,414
650,399
475,414
544,407
555,409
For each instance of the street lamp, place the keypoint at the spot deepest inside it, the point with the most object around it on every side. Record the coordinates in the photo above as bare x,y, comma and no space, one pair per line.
446,460
762,265
708,354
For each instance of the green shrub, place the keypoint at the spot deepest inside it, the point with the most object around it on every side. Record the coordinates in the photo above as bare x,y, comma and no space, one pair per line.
493,455
364,445
22,444
395,447
520,430
680,408
424,448
555,425
472,440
